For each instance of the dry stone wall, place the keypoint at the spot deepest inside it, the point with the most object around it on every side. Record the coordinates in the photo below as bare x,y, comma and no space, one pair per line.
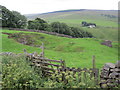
110,75
41,31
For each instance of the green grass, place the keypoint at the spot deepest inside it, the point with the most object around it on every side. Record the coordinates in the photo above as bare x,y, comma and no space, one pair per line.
77,22
76,52
104,33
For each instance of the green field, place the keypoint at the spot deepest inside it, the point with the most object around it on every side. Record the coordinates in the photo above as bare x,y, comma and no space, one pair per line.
76,52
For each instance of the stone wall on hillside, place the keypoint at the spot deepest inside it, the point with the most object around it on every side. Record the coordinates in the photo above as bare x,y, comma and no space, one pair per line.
41,31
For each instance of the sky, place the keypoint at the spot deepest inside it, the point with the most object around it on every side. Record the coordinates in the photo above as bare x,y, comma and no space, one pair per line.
43,6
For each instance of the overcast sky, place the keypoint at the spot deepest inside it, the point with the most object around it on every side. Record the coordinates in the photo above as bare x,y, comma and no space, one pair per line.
42,6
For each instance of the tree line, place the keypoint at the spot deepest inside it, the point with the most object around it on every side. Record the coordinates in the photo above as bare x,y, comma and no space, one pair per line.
13,19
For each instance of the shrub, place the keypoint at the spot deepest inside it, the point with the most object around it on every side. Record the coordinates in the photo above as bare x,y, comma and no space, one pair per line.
37,24
70,80
17,73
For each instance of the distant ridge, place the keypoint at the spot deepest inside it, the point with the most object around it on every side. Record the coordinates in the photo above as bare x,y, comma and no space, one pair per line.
75,16
69,10
74,10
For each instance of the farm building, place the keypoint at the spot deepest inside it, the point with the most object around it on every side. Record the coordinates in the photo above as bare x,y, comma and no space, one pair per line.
90,25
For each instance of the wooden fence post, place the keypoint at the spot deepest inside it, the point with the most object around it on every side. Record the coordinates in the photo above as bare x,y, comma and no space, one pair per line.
64,64
93,61
93,66
42,53
25,52
95,72
43,50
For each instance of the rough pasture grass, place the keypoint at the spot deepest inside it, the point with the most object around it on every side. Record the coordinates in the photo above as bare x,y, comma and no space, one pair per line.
77,22
105,29
104,33
76,17
76,52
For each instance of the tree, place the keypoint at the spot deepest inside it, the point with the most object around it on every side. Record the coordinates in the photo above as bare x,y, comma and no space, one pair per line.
20,20
40,20
55,26
12,19
61,28
80,33
38,24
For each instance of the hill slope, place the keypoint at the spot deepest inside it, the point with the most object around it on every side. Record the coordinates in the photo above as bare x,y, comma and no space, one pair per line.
76,52
106,21
79,15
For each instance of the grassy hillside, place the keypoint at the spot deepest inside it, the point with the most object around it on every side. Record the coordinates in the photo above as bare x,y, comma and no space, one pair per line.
76,52
76,16
106,21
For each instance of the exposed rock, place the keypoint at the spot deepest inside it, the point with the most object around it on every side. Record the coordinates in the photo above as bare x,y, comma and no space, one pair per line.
109,65
115,70
113,75
118,64
107,43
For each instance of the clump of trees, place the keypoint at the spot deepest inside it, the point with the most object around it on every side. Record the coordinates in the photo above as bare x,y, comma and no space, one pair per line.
63,28
12,19
80,33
